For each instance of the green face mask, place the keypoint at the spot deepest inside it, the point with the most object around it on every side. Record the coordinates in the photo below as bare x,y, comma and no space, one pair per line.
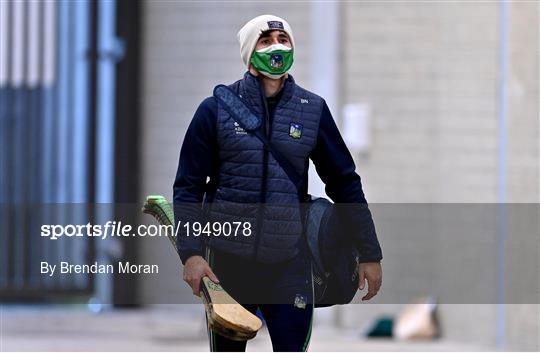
273,61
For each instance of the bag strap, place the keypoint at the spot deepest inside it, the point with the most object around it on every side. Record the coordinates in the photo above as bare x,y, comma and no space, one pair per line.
250,122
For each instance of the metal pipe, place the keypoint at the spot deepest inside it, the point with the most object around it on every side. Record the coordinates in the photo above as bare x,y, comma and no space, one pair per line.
502,142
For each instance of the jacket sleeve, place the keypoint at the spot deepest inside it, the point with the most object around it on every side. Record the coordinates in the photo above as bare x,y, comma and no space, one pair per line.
336,167
198,161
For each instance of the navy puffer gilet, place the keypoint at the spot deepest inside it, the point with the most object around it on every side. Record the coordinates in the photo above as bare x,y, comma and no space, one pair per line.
251,186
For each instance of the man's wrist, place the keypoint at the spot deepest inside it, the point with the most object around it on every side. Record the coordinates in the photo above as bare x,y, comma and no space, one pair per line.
186,255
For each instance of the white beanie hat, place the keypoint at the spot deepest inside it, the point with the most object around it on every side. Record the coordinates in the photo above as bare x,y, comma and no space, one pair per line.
250,33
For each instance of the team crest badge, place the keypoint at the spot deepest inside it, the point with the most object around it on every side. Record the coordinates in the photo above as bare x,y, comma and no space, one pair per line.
276,61
295,130
300,301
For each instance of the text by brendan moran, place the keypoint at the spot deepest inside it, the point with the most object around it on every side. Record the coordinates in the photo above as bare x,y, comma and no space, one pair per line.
65,267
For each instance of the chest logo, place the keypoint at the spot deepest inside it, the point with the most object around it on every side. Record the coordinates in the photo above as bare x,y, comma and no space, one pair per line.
238,129
295,130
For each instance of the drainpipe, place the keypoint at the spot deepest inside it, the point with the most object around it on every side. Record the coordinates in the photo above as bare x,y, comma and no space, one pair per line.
502,142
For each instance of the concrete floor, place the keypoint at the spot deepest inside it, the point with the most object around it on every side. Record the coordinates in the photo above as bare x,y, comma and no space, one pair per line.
169,328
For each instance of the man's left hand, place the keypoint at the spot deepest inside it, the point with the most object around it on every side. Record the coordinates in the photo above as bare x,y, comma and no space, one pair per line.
371,271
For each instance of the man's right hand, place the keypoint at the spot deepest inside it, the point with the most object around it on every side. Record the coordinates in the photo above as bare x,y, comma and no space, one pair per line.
195,269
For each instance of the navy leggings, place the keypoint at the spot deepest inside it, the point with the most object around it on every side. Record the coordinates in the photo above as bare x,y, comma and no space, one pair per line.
282,293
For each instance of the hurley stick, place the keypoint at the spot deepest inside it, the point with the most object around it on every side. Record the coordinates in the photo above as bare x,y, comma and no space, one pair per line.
225,316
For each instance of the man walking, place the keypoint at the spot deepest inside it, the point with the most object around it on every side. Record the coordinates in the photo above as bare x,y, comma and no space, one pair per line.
235,177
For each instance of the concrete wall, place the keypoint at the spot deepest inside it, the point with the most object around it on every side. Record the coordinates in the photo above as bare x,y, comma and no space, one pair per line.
523,100
523,321
429,73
